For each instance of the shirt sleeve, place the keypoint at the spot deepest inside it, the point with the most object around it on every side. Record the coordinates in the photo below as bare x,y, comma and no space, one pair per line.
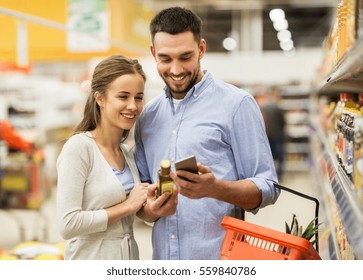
252,151
140,157
73,166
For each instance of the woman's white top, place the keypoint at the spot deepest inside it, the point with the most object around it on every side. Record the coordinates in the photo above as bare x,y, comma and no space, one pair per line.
86,186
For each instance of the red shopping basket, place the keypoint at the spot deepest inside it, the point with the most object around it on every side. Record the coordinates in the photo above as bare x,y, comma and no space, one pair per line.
248,241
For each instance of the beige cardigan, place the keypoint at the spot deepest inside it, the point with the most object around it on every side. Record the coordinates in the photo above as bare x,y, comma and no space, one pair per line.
86,186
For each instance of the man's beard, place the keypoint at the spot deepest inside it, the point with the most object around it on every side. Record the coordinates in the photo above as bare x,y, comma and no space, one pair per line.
189,86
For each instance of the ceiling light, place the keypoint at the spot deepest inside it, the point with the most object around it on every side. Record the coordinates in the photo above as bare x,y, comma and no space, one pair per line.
277,15
287,45
290,52
284,35
281,25
229,44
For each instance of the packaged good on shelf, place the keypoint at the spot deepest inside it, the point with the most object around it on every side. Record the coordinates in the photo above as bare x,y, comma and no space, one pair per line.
342,18
326,109
345,136
360,101
359,19
24,183
349,129
350,23
346,26
34,250
336,123
342,35
346,131
358,157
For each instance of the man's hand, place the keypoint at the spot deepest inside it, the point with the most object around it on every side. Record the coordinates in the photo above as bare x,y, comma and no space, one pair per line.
198,185
242,193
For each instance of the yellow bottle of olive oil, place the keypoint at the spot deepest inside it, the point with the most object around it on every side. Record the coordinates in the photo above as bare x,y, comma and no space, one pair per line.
165,183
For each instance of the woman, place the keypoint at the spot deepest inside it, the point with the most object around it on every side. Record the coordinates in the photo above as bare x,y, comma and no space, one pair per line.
98,189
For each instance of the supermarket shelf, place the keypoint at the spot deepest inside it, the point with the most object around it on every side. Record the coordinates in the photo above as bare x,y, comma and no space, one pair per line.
333,247
347,75
327,199
344,207
295,103
325,193
350,208
349,205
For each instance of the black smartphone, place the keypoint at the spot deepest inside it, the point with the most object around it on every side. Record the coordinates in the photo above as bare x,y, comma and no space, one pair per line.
187,164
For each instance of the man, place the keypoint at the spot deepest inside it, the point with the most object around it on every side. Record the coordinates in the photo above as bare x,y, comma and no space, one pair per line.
275,128
218,123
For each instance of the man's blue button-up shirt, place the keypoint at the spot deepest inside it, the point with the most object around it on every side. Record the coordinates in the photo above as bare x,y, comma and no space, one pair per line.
223,127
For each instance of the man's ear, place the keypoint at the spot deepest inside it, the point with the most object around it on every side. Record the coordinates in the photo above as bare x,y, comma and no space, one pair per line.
202,48
152,50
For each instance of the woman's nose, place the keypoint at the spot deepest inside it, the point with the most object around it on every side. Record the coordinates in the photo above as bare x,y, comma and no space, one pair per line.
131,105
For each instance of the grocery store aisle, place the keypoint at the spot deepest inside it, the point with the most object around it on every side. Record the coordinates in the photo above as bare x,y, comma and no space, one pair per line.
26,225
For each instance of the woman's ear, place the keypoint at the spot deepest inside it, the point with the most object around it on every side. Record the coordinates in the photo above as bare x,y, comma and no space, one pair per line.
99,98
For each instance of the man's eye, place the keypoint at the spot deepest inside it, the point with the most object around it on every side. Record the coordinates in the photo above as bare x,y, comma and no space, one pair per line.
185,58
165,60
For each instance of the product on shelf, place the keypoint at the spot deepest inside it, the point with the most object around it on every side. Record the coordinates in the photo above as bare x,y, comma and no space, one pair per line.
358,157
341,38
34,250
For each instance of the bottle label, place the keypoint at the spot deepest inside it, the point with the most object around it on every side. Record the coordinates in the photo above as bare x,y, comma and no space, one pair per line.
167,187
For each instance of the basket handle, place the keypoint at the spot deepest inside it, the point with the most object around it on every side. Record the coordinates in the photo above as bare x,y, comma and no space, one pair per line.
309,198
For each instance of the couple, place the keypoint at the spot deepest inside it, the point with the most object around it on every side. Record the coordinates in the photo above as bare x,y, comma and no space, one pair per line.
102,184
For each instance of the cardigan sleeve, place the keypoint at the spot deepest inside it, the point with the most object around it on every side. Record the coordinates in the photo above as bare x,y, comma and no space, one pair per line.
73,167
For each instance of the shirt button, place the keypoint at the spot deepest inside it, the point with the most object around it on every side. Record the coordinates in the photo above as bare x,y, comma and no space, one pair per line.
173,131
173,236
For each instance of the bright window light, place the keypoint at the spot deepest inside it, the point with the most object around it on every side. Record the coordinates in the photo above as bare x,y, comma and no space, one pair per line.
277,15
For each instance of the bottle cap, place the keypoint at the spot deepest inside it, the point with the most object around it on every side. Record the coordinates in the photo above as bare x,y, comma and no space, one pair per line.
165,167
